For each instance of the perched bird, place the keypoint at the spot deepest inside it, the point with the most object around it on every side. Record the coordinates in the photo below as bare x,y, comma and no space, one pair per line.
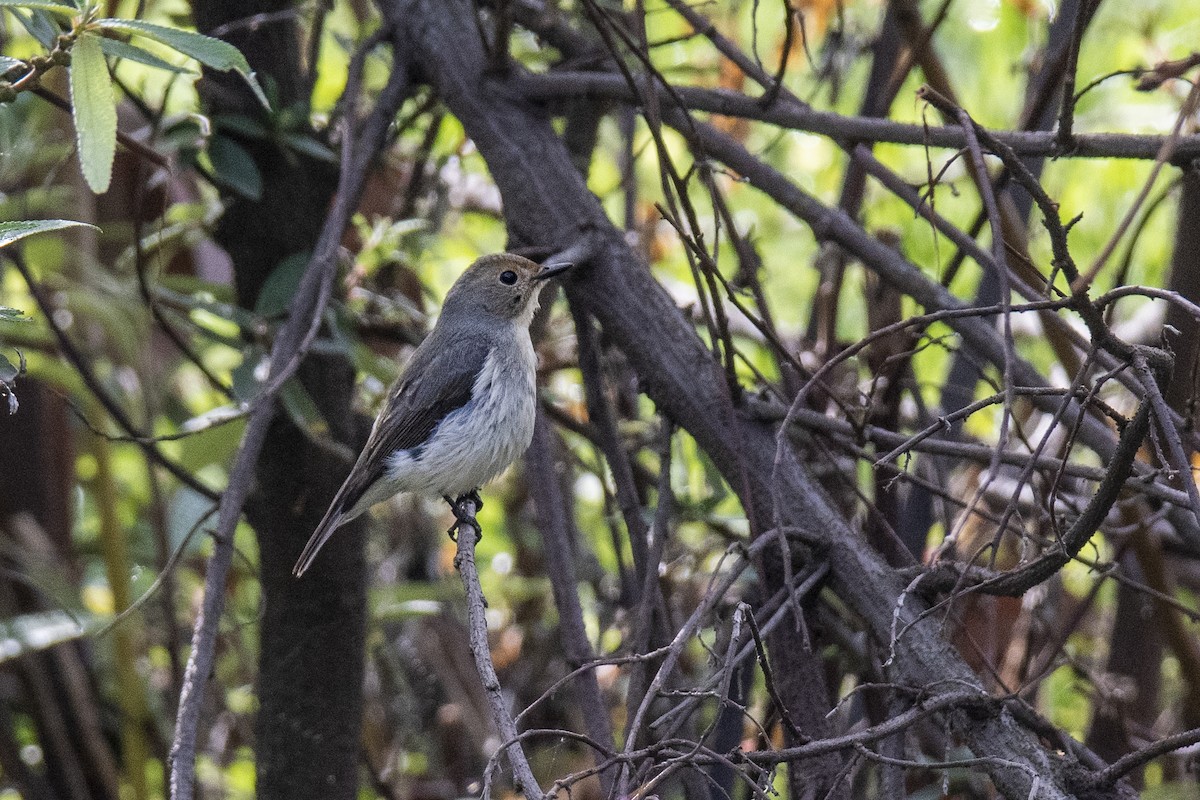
463,409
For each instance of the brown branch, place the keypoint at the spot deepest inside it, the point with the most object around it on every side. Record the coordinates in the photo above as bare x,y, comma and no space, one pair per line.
468,533
1109,776
1175,452
603,86
557,529
546,203
1066,117
773,85
947,577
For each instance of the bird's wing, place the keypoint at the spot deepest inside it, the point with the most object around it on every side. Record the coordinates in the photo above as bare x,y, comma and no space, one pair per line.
436,382
426,394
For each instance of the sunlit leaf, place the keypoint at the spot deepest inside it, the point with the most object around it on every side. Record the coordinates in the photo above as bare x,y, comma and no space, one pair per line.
118,49
41,26
94,108
210,52
299,405
15,231
31,633
42,5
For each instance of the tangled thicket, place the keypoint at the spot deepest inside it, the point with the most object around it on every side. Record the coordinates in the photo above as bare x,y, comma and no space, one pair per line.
863,465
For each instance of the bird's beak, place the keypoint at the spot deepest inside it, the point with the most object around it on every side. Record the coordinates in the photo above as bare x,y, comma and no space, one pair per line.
550,270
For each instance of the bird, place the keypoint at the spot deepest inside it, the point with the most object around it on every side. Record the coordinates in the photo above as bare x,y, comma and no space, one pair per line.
463,408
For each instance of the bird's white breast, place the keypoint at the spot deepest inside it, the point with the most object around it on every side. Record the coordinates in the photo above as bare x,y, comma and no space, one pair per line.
475,443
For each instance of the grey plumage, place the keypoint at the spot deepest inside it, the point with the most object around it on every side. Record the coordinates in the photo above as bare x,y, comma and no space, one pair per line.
463,408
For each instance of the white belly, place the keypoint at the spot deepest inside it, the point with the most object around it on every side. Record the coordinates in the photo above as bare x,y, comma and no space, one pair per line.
477,442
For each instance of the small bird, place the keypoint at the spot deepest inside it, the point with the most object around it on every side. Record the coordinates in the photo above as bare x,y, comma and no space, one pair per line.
463,408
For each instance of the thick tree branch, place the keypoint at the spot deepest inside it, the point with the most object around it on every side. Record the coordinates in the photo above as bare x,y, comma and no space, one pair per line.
607,86
547,204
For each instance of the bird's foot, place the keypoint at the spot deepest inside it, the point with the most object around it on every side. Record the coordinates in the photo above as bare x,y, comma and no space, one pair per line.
461,515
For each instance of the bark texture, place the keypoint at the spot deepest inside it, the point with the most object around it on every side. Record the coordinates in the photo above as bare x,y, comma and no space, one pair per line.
310,666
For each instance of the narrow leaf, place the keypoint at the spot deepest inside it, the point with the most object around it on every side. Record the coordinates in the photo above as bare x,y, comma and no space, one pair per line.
279,289
94,108
30,633
309,146
14,231
299,405
234,168
118,49
42,5
210,52
41,26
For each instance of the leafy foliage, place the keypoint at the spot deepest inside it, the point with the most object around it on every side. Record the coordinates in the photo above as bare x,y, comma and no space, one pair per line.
94,110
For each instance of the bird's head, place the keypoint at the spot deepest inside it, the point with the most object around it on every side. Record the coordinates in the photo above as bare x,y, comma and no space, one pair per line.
501,286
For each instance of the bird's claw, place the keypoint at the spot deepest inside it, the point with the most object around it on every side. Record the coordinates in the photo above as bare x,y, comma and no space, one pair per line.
461,515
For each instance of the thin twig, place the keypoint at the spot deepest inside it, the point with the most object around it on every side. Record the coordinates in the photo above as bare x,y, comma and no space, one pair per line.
128,142
1166,152
1127,763
468,533
557,529
1175,452
1066,116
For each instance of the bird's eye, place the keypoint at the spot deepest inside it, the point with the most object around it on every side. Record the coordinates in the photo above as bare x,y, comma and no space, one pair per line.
508,277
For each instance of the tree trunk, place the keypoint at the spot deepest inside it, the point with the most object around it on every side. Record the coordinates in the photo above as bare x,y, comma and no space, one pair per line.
310,666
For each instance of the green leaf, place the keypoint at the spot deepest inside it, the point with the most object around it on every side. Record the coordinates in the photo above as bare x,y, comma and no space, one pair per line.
8,370
307,145
12,315
240,123
8,62
118,49
41,26
14,231
234,168
40,630
187,510
94,108
280,286
299,405
208,51
42,5
246,320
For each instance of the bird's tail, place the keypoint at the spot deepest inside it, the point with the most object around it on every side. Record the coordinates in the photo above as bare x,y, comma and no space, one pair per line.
334,518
